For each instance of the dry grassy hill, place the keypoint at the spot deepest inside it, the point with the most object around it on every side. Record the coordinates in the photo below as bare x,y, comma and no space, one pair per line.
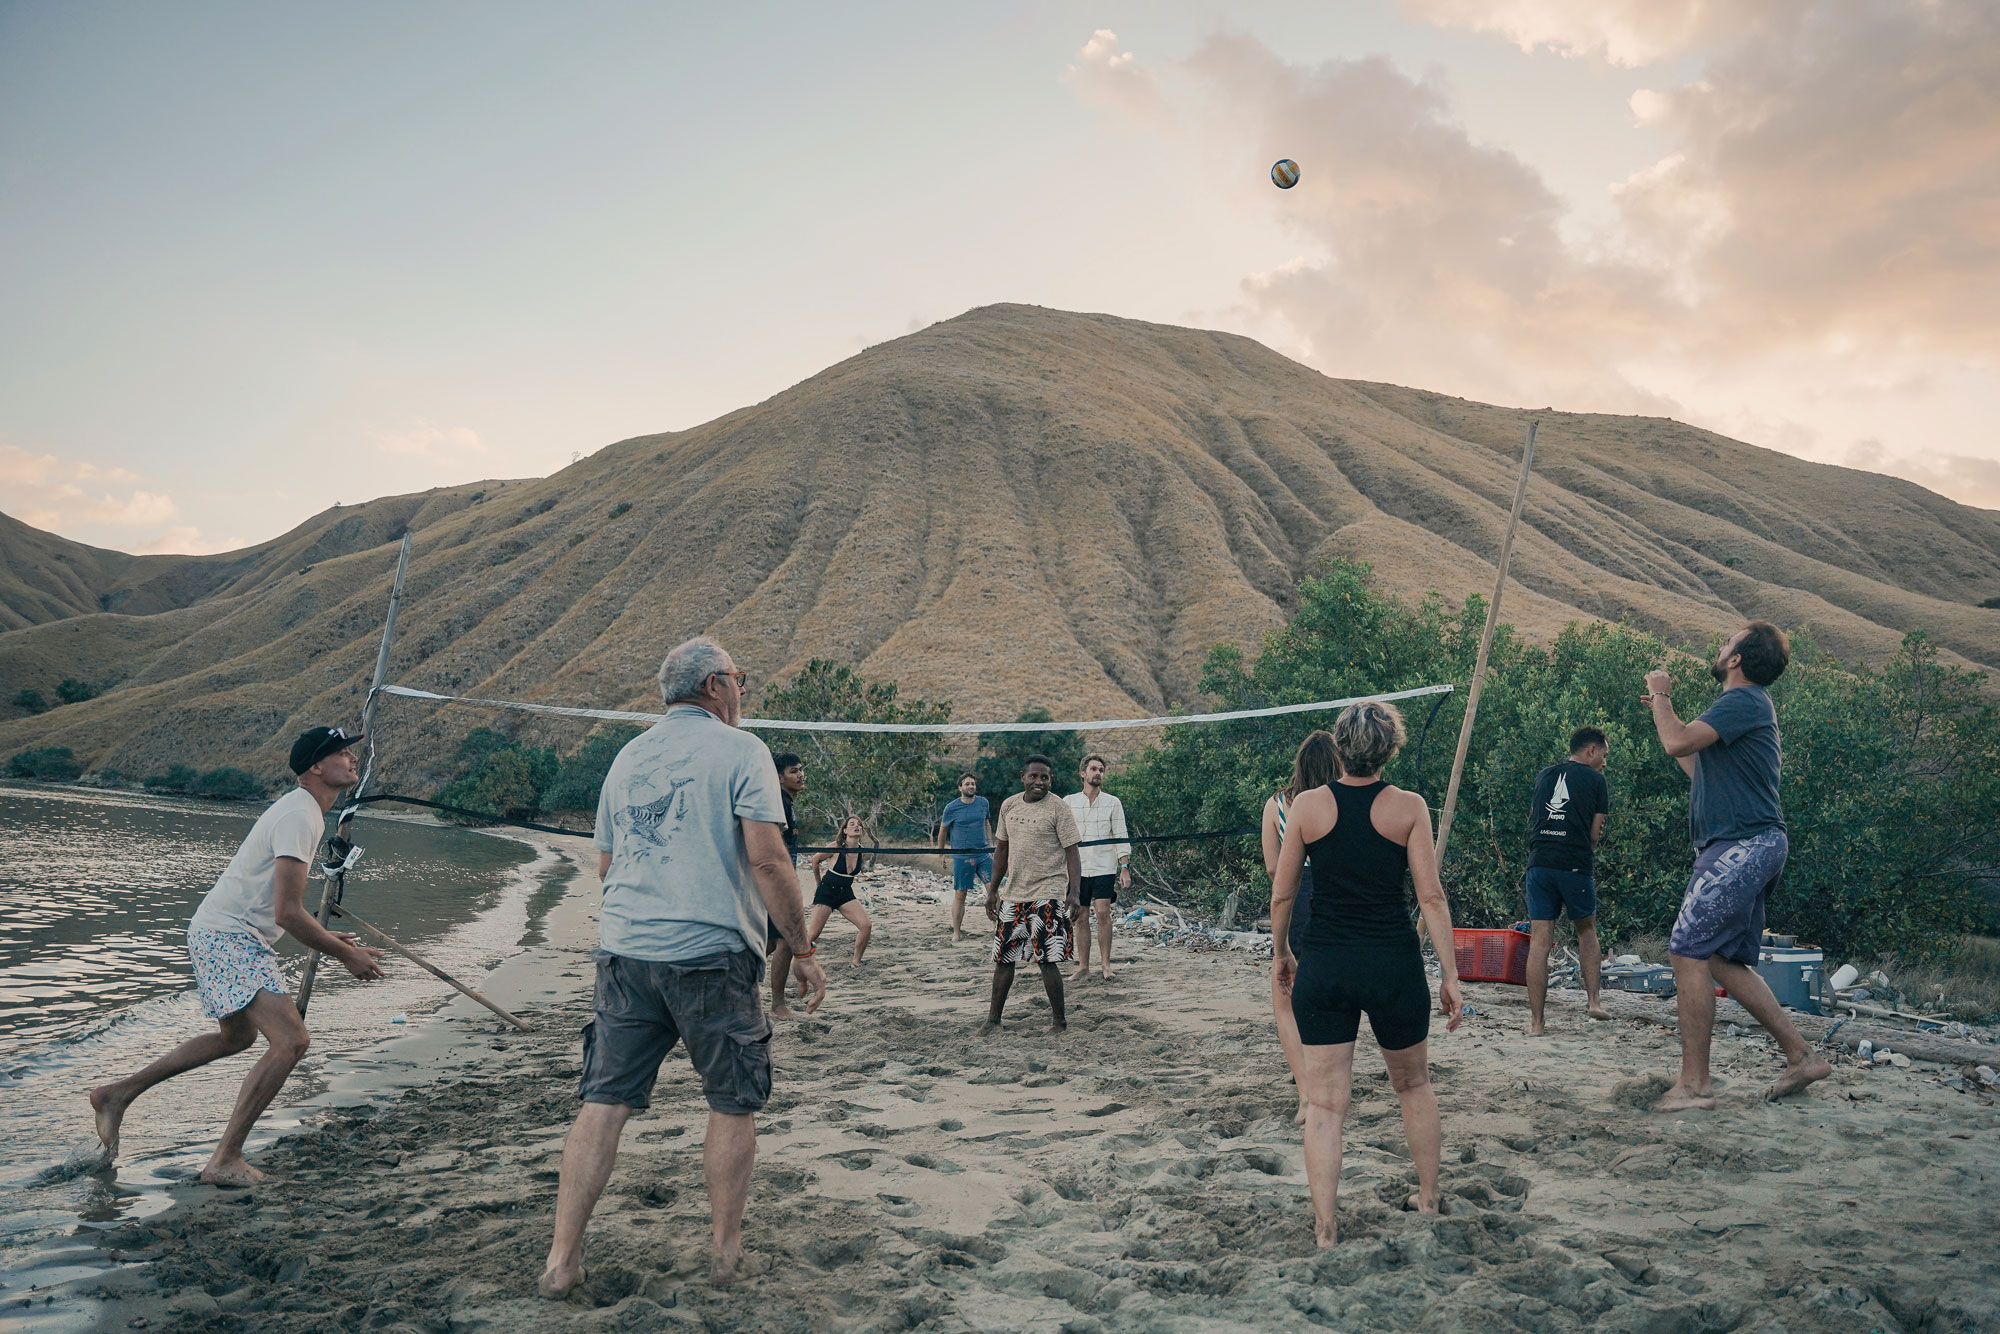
1018,506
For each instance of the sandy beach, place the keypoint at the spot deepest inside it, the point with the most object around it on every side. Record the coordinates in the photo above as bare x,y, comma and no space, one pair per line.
1139,1172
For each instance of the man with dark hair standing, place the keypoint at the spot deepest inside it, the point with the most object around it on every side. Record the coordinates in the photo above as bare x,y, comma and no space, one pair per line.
1099,816
1034,852
1732,754
791,781
259,897
1566,823
691,850
966,825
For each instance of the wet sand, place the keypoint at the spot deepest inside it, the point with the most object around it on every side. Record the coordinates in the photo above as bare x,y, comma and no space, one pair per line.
1138,1172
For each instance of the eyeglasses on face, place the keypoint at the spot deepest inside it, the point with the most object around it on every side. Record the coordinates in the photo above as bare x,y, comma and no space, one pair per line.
742,679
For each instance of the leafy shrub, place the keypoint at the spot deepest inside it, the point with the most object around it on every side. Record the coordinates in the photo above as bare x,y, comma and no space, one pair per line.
177,778
1002,755
887,778
1891,784
31,700
228,784
621,507
72,691
499,777
49,764
581,776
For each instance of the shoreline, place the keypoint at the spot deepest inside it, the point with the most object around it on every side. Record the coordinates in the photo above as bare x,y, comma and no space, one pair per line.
1140,1171
452,1035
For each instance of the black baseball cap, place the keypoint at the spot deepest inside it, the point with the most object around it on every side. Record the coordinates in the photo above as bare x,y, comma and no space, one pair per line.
316,743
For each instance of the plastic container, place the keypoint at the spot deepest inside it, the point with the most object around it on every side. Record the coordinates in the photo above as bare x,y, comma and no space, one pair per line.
1491,956
1845,976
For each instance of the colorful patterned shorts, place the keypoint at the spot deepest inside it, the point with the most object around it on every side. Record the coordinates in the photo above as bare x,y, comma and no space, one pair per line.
230,968
1037,932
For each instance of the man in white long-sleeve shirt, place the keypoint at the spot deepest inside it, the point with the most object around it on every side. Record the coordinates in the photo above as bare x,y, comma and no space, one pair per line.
1099,815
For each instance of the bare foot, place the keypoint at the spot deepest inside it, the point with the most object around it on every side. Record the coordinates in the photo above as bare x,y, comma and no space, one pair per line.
110,1114
1416,1204
1678,1099
1059,1027
857,961
1597,1011
990,1026
781,1011
729,1266
1326,1234
1534,1028
1299,1117
1105,972
1082,973
233,1175
1797,1077
555,1284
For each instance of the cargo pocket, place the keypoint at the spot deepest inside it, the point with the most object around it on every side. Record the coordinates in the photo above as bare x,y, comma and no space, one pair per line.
748,1049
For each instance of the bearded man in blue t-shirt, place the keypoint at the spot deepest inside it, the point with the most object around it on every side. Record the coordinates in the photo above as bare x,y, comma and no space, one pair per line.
1732,754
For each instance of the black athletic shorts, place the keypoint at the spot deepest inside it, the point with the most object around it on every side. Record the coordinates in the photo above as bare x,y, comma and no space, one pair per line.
1337,984
835,892
1096,887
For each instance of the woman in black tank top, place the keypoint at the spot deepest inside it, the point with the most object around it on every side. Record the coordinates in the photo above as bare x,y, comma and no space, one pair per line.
835,893
1358,953
1314,766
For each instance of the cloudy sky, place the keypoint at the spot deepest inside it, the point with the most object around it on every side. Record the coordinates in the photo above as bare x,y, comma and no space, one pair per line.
258,259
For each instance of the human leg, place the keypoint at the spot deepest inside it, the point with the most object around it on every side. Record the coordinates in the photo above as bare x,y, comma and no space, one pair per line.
957,915
1326,1080
1591,957
1410,1076
781,972
275,1016
1288,1041
1003,980
1747,988
234,1033
1052,982
1540,934
817,923
1694,1000
727,1156
863,926
1102,909
588,1156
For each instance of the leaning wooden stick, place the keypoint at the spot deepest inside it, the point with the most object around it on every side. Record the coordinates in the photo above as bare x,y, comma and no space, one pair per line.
377,933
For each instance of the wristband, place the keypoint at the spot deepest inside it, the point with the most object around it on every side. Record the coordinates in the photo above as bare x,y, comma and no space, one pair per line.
808,953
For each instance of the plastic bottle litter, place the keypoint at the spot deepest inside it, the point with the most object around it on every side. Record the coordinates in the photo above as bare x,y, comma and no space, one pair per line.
1987,1077
1900,1061
399,1019
1845,976
1884,1056
1866,1050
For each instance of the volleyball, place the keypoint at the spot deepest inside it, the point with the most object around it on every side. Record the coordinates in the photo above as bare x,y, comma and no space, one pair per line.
1284,173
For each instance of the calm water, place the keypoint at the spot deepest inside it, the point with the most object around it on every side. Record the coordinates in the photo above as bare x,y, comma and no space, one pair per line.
95,894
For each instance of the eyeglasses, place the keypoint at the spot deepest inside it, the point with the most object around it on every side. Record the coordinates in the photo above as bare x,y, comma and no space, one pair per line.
742,679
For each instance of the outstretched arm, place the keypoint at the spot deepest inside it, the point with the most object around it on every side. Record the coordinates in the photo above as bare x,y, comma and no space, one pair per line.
1680,740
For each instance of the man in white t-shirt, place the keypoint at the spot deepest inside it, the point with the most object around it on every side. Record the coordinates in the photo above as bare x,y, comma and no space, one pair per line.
258,898
1099,816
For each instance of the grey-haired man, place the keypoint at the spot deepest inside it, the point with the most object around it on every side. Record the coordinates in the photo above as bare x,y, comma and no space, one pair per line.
691,850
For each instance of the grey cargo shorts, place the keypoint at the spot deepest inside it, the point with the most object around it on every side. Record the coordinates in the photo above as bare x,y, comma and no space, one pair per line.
712,1004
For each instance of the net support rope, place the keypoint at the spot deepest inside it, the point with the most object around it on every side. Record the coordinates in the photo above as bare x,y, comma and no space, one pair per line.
944,729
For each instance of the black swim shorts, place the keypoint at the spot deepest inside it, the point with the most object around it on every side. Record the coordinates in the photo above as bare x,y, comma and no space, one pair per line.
1336,985
1094,887
711,1004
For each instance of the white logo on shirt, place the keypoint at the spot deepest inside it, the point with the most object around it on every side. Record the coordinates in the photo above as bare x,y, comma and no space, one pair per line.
1559,799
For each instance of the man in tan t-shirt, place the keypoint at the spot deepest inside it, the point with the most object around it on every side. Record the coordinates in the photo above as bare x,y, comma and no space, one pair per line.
1034,852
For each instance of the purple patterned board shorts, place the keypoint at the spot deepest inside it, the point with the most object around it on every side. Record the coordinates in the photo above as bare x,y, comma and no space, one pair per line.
230,968
1723,910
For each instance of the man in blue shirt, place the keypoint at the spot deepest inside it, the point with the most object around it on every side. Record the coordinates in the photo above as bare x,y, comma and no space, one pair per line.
691,850
1732,754
965,823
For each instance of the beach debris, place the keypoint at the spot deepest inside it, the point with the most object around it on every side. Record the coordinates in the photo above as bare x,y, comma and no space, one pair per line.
1987,1076
1900,1061
1865,1049
1883,1056
1845,976
399,1019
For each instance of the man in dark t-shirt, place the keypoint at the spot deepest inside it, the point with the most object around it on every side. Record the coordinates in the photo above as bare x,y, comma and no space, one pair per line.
1731,752
791,782
1565,823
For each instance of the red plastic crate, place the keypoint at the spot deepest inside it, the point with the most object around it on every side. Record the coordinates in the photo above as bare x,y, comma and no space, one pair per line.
1491,956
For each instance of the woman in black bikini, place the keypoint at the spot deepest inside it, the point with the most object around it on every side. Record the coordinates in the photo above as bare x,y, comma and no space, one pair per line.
836,886
1359,953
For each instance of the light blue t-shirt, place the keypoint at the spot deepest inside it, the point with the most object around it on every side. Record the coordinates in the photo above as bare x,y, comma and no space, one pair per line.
680,885
966,821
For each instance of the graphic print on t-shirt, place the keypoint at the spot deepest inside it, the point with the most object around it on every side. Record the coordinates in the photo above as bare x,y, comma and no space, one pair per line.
1559,799
1568,799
